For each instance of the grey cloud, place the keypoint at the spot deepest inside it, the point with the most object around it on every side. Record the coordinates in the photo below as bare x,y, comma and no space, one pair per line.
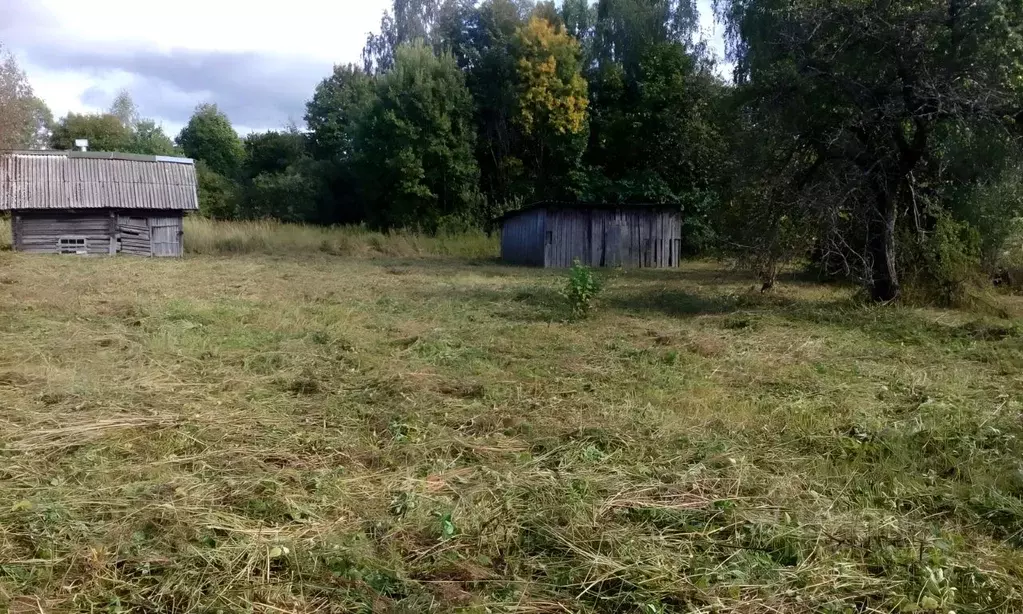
254,89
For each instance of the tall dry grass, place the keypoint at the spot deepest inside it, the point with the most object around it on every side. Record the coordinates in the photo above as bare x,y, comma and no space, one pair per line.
204,236
209,237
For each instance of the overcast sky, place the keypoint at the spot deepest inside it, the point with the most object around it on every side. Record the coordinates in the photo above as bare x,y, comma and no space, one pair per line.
259,61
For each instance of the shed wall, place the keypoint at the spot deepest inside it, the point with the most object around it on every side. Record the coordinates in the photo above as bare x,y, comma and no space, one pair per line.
40,232
569,237
522,238
628,237
105,231
608,238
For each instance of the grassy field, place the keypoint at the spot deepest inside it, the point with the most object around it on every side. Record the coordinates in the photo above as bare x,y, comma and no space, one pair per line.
324,434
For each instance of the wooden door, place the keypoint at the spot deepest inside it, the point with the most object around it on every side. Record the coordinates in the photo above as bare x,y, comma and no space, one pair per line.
166,240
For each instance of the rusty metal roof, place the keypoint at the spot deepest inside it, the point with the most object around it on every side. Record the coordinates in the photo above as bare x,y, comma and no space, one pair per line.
95,180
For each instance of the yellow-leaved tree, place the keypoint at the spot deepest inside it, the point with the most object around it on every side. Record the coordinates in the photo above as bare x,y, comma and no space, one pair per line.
552,102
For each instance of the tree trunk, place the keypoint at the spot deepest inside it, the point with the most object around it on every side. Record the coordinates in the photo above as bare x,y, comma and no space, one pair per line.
884,278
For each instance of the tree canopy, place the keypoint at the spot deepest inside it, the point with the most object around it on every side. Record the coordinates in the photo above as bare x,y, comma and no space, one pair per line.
104,131
863,112
210,137
415,144
121,129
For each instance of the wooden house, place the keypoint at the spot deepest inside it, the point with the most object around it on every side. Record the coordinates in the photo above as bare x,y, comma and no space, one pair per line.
77,202
554,234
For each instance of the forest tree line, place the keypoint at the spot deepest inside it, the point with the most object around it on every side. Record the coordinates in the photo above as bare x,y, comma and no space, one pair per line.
879,139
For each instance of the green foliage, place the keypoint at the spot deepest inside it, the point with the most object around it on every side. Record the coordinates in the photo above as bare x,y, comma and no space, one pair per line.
333,116
334,110
289,196
552,101
657,137
862,117
273,152
943,265
218,195
105,132
121,129
415,148
581,290
209,137
415,144
150,139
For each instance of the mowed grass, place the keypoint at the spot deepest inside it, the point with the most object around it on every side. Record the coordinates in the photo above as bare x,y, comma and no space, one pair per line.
327,434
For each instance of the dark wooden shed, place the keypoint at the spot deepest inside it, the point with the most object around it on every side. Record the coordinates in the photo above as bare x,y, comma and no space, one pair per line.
554,234
88,203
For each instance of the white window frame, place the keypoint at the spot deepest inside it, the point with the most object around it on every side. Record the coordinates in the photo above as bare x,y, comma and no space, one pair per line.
72,245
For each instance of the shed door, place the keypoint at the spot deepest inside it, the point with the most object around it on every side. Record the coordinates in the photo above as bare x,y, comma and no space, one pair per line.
166,238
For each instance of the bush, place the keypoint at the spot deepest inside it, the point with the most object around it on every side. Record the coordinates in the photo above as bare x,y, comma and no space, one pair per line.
945,266
581,290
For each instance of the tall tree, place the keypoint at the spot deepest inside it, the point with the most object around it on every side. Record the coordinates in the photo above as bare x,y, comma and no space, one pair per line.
851,101
332,113
625,29
24,119
656,136
40,127
209,137
552,103
492,80
409,21
125,109
281,180
333,116
415,145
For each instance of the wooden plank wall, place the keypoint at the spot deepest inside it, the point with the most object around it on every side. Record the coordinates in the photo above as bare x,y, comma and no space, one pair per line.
38,231
568,238
133,235
630,238
522,238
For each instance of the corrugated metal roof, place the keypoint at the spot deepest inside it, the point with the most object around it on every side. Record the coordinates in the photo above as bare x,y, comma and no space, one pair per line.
95,180
557,205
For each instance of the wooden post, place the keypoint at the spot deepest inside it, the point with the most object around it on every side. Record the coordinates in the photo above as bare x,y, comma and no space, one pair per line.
113,233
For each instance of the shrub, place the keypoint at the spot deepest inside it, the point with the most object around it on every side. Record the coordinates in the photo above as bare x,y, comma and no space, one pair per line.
945,267
581,290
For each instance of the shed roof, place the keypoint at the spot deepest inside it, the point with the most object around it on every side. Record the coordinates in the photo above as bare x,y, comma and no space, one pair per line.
575,205
95,180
